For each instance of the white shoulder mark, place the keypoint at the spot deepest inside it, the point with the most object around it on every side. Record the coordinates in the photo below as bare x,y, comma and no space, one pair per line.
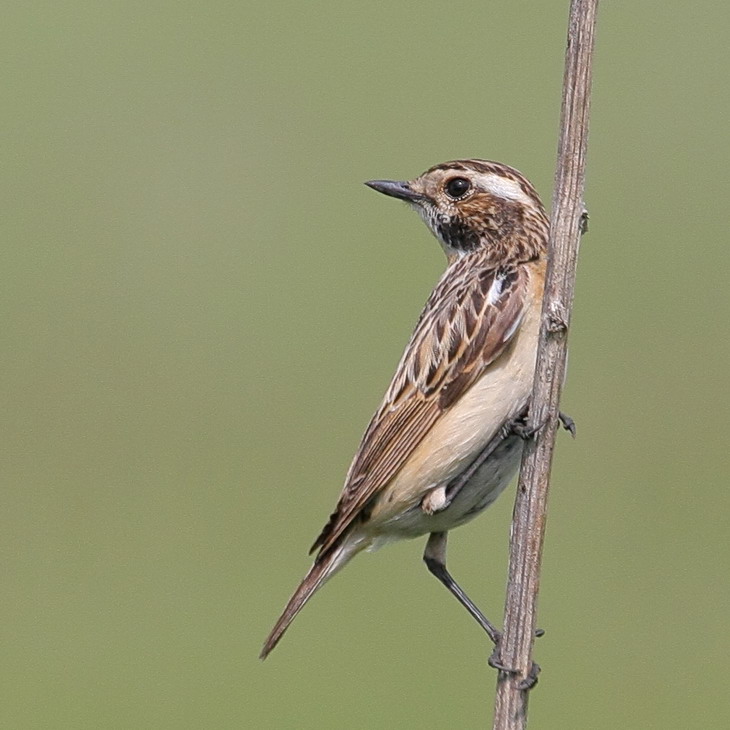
496,289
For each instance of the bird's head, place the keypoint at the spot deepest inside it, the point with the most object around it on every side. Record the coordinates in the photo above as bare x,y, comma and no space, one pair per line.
474,205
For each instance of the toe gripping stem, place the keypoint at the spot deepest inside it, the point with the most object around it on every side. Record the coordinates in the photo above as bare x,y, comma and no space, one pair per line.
495,661
519,427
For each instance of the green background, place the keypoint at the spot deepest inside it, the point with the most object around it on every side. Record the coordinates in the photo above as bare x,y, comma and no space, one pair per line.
202,306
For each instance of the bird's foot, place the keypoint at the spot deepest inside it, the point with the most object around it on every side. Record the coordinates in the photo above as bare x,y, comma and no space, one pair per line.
527,683
519,427
495,661
568,423
583,222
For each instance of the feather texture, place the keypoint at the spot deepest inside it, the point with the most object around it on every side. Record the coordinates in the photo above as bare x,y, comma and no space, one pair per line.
465,326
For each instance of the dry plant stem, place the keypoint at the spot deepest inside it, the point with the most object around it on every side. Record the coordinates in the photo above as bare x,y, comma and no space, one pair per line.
528,525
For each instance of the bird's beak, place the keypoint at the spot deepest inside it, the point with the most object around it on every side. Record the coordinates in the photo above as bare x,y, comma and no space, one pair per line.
396,189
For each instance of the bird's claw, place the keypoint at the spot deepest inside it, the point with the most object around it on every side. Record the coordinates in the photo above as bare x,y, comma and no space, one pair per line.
527,683
519,427
495,661
583,222
568,423
531,679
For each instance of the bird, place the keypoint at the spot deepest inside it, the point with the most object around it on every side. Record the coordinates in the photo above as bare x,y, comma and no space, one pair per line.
449,434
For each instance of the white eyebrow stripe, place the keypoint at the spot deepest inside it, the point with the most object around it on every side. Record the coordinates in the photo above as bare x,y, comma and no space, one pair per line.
503,187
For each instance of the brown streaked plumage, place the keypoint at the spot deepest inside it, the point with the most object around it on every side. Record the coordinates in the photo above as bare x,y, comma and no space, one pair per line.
439,449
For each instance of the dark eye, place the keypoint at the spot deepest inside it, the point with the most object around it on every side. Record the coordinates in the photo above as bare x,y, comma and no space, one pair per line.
457,187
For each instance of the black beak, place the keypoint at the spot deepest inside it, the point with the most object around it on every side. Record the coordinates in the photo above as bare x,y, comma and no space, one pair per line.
396,189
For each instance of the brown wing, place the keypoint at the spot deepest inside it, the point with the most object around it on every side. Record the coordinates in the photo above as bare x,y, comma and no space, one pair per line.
465,325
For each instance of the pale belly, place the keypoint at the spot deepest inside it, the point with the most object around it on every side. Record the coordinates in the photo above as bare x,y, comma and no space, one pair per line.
454,443
482,489
452,446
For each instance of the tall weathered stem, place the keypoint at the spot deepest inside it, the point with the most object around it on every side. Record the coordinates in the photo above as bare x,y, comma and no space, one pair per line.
528,526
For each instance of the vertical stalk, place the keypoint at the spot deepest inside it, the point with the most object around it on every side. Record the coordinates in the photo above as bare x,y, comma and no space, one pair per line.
528,526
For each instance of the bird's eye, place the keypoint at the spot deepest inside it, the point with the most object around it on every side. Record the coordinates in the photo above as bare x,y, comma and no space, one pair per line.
457,187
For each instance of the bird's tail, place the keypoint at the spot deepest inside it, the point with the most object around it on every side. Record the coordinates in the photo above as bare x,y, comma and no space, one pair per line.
325,566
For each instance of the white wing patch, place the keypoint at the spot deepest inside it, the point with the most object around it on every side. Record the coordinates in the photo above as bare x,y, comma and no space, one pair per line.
496,290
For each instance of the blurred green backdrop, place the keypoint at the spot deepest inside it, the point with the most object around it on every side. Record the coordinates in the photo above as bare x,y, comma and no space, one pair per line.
202,306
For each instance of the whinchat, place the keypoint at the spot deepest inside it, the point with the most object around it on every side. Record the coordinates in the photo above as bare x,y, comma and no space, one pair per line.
442,446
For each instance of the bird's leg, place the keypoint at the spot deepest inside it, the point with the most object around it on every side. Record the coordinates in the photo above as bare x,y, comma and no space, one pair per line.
453,489
435,558
517,427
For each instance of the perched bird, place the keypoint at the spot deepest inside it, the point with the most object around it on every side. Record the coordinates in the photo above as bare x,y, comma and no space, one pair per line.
445,443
